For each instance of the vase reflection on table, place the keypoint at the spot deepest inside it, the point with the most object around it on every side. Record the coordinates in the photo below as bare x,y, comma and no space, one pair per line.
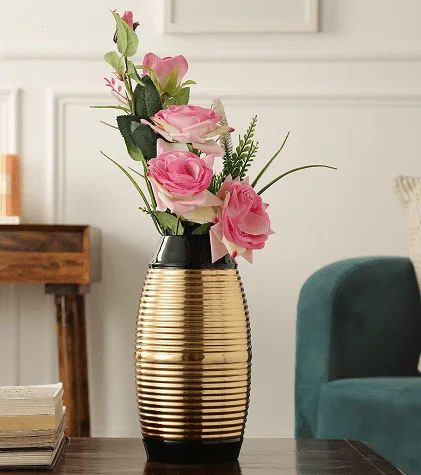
153,468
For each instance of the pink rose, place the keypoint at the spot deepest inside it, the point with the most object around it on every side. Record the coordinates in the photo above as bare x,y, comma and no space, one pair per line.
165,66
128,18
190,124
242,224
180,180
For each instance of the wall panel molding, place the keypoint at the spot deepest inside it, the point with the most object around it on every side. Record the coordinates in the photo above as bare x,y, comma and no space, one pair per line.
9,122
282,54
60,98
9,297
57,101
307,23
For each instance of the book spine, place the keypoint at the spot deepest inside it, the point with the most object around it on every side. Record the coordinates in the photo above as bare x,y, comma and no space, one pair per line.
10,194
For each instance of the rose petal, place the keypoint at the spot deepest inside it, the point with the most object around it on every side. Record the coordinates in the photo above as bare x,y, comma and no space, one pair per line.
163,146
201,215
157,129
210,147
218,249
254,224
150,60
248,255
211,199
222,129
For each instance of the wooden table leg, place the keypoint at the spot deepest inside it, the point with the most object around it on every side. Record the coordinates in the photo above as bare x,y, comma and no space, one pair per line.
71,338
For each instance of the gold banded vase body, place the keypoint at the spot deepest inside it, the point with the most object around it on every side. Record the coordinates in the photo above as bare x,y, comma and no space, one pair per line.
193,355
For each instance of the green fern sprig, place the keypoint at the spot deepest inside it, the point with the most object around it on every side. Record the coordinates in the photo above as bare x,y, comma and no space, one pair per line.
216,182
144,210
249,159
241,159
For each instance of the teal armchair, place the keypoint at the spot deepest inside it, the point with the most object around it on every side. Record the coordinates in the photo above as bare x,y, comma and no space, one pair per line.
357,352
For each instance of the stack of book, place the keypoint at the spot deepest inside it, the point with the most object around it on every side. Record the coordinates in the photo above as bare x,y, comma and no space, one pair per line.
32,423
10,196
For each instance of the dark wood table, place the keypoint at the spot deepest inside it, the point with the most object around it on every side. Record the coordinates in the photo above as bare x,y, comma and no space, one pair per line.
64,259
92,456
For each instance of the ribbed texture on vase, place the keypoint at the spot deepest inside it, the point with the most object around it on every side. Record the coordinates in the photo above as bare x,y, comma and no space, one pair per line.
193,354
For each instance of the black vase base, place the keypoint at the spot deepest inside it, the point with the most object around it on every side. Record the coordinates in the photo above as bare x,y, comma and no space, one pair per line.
192,452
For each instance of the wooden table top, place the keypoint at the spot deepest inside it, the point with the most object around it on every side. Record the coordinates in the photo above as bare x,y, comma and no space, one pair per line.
92,456
49,254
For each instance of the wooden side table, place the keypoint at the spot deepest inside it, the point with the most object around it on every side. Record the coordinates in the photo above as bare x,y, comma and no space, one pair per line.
258,457
63,258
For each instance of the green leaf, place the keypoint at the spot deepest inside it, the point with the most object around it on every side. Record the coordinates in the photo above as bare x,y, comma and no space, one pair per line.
249,159
263,170
121,108
137,173
202,229
186,83
146,98
167,220
292,171
140,191
145,138
127,40
170,86
124,123
114,60
240,160
216,183
140,138
151,74
182,97
141,66
133,74
135,152
125,126
109,125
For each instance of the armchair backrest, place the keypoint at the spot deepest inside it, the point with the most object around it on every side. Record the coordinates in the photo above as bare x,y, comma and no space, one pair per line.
356,318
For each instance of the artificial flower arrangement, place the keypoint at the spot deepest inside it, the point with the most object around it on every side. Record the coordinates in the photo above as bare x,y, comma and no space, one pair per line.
177,145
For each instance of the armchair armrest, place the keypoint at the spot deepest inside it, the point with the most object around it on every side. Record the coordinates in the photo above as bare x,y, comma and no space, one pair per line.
356,318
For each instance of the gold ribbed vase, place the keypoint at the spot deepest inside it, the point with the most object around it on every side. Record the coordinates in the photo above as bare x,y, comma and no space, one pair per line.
193,355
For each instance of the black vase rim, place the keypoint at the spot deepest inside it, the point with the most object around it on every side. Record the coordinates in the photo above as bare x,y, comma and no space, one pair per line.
188,252
187,236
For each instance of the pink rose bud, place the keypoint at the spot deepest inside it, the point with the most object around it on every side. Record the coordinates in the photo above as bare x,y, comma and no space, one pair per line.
243,222
190,124
128,18
179,182
164,67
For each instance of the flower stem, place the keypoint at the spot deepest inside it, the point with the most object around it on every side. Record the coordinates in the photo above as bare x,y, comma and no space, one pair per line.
140,191
128,84
292,171
109,125
269,162
127,111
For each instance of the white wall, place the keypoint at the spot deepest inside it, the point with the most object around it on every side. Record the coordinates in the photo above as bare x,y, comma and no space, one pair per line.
351,96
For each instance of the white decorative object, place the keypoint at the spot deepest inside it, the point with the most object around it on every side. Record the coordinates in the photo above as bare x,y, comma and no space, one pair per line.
241,16
408,190
9,219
